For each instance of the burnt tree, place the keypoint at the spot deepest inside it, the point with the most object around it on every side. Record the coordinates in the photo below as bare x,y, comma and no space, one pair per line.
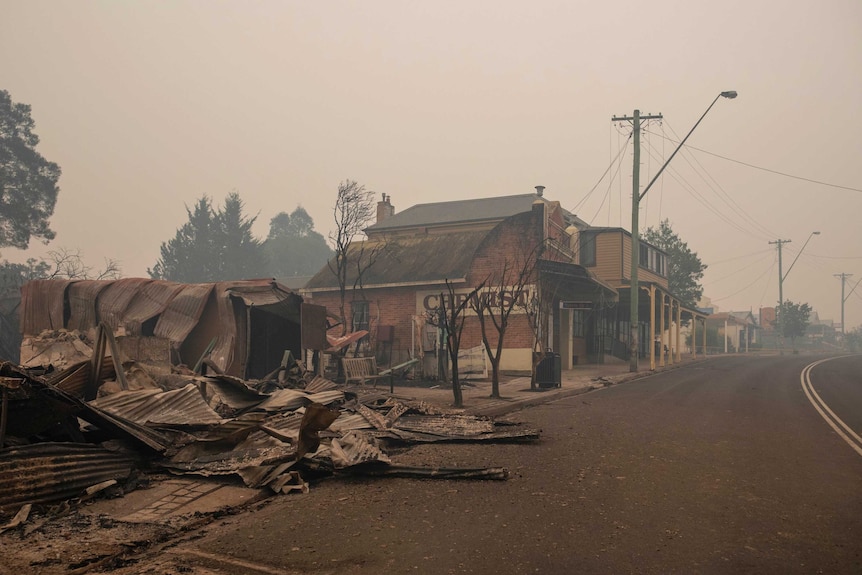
506,290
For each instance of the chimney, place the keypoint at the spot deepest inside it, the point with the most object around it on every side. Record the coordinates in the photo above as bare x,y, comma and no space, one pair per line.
384,209
540,190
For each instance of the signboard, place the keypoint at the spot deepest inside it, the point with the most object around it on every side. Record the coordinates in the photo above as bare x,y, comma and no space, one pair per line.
576,305
428,302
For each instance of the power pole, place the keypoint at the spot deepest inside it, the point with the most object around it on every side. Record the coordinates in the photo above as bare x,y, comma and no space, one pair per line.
637,195
780,243
844,278
635,119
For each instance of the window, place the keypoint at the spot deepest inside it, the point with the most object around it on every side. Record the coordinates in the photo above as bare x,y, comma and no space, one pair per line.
360,315
579,323
653,260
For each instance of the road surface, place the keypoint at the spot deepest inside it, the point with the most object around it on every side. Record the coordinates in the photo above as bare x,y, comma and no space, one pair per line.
724,466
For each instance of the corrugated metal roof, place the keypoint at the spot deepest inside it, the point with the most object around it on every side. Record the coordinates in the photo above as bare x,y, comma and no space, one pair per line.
178,308
284,399
114,301
43,305
74,379
83,296
270,296
355,449
185,406
53,471
149,301
319,384
183,312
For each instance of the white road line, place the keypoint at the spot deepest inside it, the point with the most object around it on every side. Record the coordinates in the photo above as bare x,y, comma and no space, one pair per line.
835,422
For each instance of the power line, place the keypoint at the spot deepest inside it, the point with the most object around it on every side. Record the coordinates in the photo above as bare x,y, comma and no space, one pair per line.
674,173
720,191
786,175
836,257
733,273
757,253
611,165
744,288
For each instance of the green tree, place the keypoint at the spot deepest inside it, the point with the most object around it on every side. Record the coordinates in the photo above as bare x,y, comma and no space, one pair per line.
684,268
242,255
293,247
853,340
793,319
28,182
213,245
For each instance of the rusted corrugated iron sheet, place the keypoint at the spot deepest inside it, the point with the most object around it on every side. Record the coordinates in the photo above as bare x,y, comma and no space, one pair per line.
185,406
284,400
453,428
183,312
355,449
73,380
349,422
229,352
152,438
224,351
42,305
313,325
319,384
168,311
83,296
290,399
263,293
53,471
115,300
150,301
207,458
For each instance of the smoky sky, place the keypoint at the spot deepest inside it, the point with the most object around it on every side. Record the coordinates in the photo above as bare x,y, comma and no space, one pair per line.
147,106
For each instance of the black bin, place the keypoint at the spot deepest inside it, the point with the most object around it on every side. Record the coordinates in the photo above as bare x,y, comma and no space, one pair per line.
549,371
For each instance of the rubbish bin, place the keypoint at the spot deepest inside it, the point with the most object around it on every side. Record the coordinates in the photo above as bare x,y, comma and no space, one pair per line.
549,371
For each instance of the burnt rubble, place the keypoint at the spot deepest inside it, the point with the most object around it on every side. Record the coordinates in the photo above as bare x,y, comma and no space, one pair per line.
98,423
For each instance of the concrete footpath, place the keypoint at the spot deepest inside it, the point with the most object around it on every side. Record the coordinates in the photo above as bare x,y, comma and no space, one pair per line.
516,394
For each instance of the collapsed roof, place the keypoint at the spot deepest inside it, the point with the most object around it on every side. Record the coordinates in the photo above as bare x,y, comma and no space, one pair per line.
244,327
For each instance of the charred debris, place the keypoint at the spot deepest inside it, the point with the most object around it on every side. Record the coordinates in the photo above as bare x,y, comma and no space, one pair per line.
101,425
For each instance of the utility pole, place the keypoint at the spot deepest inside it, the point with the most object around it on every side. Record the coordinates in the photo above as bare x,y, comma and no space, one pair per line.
635,119
844,277
637,196
780,296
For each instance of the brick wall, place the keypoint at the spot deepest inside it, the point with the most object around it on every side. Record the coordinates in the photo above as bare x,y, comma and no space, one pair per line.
506,248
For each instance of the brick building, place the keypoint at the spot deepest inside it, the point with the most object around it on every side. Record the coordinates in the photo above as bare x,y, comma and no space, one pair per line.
522,246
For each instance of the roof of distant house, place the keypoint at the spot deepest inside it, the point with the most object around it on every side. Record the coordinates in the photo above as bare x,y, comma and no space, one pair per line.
463,211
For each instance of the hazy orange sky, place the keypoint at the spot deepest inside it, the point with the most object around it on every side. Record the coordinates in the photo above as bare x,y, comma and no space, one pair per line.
147,106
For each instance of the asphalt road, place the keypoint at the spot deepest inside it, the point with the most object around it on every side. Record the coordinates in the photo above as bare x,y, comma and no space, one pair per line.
723,466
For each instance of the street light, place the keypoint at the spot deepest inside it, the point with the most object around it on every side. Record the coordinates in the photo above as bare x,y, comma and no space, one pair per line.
799,254
637,196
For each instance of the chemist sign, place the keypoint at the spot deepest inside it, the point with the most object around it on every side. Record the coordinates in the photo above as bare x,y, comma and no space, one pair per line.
428,302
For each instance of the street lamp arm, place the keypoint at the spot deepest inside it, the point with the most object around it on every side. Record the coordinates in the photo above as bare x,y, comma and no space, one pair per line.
729,94
799,254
